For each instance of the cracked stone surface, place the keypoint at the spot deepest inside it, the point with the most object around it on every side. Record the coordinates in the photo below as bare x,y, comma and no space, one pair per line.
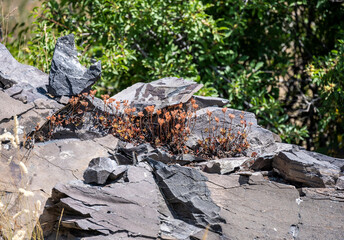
122,211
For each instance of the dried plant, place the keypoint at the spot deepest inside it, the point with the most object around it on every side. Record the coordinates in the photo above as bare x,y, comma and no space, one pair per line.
169,127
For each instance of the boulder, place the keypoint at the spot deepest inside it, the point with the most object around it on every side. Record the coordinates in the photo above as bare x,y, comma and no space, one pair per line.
67,76
160,93
12,72
299,167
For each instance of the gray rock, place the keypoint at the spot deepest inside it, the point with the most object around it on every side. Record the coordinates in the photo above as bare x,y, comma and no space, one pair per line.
340,183
321,157
26,93
11,107
99,169
204,102
118,210
320,218
186,193
224,165
298,166
171,228
160,93
67,76
12,72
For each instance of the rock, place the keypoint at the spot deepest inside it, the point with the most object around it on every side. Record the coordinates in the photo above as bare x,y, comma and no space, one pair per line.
320,219
262,211
186,193
160,93
176,229
67,76
115,211
184,159
26,93
48,164
11,107
224,165
264,160
321,157
12,72
340,183
99,169
204,102
298,166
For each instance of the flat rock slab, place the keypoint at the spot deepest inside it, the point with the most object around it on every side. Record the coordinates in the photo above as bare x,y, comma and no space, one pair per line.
12,72
11,107
262,211
320,219
160,93
120,210
67,76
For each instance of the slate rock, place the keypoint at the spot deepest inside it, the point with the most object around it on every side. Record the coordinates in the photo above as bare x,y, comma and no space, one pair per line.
67,76
298,166
171,228
12,72
339,162
11,107
265,210
224,165
160,93
26,92
99,169
264,160
186,193
115,211
204,102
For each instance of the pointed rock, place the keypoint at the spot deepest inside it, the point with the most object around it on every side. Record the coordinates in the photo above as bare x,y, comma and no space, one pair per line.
67,76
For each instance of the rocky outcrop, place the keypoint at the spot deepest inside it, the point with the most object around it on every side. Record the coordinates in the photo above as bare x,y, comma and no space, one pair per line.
67,76
113,190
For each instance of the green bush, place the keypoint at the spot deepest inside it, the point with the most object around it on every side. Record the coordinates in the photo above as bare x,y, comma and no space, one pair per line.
253,53
327,74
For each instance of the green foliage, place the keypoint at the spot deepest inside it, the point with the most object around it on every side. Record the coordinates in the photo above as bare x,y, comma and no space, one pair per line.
327,74
253,53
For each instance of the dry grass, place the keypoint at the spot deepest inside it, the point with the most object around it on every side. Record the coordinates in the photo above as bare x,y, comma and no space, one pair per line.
19,213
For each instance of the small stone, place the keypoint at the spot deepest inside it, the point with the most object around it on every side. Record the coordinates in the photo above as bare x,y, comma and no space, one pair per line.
99,169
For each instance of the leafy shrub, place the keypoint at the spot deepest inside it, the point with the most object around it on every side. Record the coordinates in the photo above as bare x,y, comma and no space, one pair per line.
327,74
